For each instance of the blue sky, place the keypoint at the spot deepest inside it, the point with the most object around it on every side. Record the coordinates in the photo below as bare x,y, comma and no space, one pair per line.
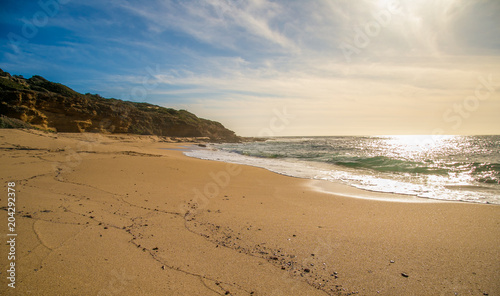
318,67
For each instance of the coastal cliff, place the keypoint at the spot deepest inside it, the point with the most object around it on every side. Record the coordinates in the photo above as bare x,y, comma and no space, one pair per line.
53,106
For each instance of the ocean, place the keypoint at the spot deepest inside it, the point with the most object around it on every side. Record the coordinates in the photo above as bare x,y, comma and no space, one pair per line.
455,168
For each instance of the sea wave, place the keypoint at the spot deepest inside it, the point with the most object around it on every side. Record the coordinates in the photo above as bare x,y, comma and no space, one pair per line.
458,168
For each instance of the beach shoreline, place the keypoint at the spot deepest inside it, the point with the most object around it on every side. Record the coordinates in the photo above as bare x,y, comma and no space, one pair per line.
118,215
338,189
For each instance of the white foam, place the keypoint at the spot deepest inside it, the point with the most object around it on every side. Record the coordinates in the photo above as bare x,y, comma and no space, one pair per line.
366,183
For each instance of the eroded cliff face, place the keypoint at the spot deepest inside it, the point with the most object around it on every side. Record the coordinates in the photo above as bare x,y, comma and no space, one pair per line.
54,106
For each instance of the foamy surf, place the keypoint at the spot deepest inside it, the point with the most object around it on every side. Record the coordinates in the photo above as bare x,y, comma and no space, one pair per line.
455,169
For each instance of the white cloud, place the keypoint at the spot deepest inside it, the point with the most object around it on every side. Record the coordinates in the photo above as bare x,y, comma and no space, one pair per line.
221,24
320,92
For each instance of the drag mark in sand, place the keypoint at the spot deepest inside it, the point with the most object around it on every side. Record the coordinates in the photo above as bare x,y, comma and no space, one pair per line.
311,270
217,286
224,288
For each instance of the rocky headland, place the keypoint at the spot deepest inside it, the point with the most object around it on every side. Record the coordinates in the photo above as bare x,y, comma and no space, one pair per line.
53,106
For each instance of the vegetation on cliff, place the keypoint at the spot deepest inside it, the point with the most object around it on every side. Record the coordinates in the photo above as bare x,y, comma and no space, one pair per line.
54,106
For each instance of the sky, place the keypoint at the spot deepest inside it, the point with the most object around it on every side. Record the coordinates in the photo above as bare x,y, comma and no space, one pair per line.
274,68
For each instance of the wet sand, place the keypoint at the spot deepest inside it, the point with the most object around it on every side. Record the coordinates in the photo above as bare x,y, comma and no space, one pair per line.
118,215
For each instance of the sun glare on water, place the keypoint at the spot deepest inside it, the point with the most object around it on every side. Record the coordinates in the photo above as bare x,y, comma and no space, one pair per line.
412,147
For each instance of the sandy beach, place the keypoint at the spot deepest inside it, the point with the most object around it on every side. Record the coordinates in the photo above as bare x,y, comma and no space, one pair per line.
119,215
